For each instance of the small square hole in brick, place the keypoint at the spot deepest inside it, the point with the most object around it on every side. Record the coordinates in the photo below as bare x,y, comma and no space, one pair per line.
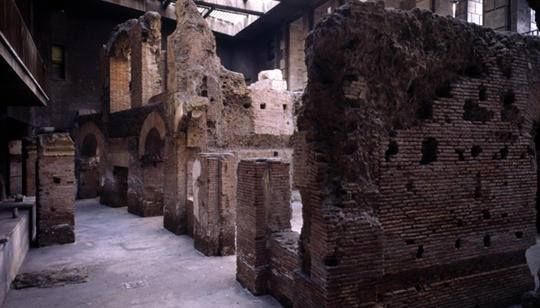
284,106
263,106
56,180
487,241
420,252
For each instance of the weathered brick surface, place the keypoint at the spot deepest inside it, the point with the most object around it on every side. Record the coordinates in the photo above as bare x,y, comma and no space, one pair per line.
263,208
415,162
214,204
273,112
146,59
284,262
145,183
56,189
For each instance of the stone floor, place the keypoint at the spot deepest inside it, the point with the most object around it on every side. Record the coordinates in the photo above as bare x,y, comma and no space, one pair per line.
132,262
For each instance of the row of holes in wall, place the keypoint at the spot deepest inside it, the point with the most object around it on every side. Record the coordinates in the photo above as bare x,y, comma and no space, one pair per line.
263,106
458,243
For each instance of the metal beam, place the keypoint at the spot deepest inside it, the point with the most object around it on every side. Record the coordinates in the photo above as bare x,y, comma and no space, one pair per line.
257,8
169,12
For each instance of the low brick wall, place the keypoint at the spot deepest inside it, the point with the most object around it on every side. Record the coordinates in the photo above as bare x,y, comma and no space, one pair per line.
284,261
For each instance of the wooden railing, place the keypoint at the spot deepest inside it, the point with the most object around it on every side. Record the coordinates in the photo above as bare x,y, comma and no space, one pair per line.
14,30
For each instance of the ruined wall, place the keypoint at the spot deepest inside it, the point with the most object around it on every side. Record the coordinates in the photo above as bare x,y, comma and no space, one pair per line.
56,189
147,80
146,168
272,113
214,203
420,152
135,63
210,109
263,208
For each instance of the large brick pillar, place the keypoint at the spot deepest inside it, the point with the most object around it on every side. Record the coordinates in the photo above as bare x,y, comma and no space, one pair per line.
263,208
214,204
146,59
30,169
15,167
175,185
56,189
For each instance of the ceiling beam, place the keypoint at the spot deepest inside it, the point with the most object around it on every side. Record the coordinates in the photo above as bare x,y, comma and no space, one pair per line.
257,8
169,12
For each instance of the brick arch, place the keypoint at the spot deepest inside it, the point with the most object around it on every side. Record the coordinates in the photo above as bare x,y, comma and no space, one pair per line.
86,130
152,121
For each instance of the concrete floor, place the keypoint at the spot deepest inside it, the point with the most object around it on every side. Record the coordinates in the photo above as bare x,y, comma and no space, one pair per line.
133,262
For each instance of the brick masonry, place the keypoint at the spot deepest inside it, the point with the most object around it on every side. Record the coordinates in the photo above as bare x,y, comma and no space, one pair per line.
416,163
214,204
263,208
56,189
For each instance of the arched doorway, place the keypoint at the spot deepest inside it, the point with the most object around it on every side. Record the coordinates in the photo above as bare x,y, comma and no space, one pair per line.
90,148
146,195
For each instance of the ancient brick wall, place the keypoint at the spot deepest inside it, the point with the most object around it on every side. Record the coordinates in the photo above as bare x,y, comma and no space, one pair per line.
56,189
272,113
284,262
134,63
120,78
214,203
263,208
175,185
145,39
145,183
415,162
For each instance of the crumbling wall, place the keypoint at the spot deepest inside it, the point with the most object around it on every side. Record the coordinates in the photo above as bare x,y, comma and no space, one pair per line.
214,203
415,161
210,109
147,80
134,63
263,209
272,113
145,191
56,189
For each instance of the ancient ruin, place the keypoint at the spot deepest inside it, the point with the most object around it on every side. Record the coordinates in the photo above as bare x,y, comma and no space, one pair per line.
401,143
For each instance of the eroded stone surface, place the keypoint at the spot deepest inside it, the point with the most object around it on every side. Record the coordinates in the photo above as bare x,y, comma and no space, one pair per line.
407,161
